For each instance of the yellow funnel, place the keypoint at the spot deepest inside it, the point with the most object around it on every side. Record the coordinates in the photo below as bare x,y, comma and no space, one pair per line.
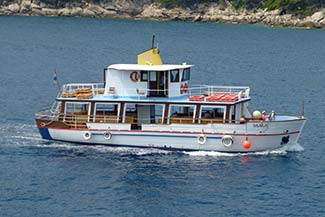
150,57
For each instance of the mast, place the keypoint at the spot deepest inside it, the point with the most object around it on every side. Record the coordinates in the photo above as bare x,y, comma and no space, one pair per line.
153,41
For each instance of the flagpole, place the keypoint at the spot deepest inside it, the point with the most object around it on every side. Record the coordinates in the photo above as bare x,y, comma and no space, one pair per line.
56,80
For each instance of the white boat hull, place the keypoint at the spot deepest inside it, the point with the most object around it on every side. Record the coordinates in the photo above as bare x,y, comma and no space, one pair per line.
262,135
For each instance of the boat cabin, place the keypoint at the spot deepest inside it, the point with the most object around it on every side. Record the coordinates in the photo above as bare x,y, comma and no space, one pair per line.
150,92
133,80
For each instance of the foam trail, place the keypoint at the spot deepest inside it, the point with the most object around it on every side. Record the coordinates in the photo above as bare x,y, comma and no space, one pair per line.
100,148
35,138
281,151
295,148
152,151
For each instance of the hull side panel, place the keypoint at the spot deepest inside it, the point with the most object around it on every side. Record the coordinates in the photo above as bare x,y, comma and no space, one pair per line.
265,136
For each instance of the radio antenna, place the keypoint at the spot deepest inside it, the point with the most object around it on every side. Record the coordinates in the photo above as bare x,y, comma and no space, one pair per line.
153,41
303,108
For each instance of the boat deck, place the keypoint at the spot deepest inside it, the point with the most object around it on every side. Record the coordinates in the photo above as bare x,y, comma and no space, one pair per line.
198,94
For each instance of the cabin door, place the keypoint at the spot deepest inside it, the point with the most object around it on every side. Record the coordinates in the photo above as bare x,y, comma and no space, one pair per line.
158,84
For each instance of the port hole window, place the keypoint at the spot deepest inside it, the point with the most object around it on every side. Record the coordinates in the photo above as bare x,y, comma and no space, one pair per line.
183,114
174,75
186,74
212,114
106,112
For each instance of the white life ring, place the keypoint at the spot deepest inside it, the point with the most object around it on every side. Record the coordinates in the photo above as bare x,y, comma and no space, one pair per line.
107,135
87,135
227,141
201,139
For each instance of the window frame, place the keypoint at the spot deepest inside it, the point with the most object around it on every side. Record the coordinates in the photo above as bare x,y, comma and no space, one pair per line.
142,73
77,103
181,105
188,77
171,77
213,107
101,103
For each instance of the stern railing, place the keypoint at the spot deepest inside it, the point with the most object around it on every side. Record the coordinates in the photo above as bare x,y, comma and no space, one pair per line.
71,90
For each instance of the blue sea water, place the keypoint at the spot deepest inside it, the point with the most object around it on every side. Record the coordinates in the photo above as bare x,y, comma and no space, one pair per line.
282,66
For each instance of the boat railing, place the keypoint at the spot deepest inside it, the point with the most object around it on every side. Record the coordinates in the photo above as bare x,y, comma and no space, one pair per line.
139,92
81,120
88,90
208,90
81,90
196,90
47,115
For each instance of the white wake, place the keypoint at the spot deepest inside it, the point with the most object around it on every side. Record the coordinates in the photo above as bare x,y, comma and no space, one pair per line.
281,151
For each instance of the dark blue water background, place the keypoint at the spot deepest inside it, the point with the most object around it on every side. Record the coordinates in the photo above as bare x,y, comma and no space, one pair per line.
43,178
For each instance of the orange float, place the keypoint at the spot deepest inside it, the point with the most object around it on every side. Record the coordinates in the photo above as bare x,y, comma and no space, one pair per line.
247,144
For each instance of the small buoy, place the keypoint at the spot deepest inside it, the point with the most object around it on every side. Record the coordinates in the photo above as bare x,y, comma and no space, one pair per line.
247,144
257,115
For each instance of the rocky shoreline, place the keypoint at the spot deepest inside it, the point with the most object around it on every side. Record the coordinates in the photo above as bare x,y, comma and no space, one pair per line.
148,10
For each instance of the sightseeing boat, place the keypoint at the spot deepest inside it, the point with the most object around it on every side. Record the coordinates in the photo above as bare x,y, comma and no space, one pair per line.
152,105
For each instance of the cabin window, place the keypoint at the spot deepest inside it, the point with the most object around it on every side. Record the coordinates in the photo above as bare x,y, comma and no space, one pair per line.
76,111
143,113
159,114
212,114
144,76
130,116
106,112
153,76
186,74
183,114
232,114
174,75
77,108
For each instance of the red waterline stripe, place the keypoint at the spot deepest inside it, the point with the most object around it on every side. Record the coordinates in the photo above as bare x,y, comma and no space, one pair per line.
177,132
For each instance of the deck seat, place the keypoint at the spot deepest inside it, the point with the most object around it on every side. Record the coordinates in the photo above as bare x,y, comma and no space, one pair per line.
196,98
230,97
215,97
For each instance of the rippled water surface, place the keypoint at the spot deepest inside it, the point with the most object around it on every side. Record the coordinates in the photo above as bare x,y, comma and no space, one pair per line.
282,66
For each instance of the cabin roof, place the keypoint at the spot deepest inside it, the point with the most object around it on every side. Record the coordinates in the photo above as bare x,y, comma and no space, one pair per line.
137,67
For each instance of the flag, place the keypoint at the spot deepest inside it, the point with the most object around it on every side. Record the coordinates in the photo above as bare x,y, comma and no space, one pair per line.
55,79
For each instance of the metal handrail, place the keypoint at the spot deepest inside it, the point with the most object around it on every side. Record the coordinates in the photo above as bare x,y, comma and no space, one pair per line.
77,119
94,87
194,90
